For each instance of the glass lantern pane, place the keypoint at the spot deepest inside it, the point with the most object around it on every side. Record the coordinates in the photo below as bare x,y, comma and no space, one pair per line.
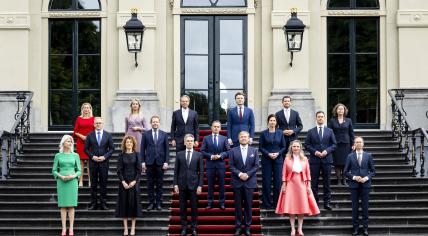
134,41
294,41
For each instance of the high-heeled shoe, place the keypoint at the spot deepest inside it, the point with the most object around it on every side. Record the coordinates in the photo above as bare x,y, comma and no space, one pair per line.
300,234
64,233
70,233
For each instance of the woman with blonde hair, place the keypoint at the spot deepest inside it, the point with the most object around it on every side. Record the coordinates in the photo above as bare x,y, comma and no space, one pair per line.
83,126
296,197
66,170
135,124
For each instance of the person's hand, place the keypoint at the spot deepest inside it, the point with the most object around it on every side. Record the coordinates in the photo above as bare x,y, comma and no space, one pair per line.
199,190
324,153
125,185
275,155
288,132
143,167
176,189
132,184
363,180
95,158
358,178
271,155
309,190
165,166
196,144
101,158
135,128
83,137
173,143
317,153
230,142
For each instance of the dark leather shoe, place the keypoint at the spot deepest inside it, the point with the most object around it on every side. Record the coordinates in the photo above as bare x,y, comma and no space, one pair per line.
159,207
150,207
209,206
366,232
247,232
328,207
355,233
237,232
183,232
92,207
194,233
222,207
104,207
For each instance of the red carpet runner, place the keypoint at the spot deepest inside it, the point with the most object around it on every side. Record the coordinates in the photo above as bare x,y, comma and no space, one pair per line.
214,221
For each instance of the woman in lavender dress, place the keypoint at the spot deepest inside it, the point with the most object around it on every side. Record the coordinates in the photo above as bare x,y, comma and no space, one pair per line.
135,124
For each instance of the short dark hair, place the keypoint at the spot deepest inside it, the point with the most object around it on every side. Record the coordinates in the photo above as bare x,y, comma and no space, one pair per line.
153,117
286,96
318,112
239,93
270,116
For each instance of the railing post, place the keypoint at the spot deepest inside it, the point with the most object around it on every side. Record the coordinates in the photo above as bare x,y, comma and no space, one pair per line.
400,132
414,172
4,158
406,145
393,121
422,155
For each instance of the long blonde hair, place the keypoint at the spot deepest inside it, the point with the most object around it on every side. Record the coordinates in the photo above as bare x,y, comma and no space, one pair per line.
290,151
61,144
139,105
90,111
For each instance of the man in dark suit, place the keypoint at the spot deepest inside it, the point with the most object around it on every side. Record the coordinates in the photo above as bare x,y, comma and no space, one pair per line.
320,143
239,118
99,147
184,121
188,181
244,163
154,156
359,169
214,148
289,122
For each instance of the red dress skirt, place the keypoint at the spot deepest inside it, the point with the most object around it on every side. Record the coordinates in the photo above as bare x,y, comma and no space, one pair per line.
83,127
295,199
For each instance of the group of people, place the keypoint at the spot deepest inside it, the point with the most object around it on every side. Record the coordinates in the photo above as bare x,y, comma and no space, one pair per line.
289,178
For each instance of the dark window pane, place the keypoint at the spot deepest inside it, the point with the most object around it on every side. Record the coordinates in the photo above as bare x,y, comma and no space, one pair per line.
339,3
199,103
61,37
88,4
338,71
367,3
93,97
367,71
196,37
196,72
60,112
61,75
231,71
231,36
236,3
366,35
89,36
367,106
61,5
227,100
199,3
338,34
336,96
89,72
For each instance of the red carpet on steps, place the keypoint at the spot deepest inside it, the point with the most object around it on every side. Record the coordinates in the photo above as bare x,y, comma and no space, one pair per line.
214,221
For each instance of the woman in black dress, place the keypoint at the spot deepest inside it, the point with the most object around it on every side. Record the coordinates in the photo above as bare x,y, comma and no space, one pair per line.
344,133
129,172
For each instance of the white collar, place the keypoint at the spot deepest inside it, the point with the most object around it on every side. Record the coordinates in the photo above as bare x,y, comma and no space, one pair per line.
246,147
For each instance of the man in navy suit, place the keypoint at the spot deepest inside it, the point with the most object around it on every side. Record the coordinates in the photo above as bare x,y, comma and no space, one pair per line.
214,148
154,156
359,169
239,118
244,163
99,147
188,181
184,121
289,122
320,143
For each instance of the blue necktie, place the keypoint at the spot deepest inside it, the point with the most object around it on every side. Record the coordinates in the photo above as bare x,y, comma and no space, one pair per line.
320,133
215,140
99,138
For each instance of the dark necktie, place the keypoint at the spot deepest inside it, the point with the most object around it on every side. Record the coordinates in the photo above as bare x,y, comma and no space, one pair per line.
215,140
188,157
320,133
99,138
155,137
240,113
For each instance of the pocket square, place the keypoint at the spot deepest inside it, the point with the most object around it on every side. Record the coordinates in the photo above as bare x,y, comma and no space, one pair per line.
252,155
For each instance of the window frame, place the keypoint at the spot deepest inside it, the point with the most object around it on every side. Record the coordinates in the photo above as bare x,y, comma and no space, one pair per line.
353,6
214,5
74,6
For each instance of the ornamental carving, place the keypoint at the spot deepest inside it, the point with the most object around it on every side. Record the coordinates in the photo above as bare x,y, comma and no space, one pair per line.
171,4
74,14
213,10
353,13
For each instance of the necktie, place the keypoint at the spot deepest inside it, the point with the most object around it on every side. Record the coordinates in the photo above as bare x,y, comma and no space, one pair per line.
320,133
359,159
215,140
244,154
99,138
188,157
240,113
155,136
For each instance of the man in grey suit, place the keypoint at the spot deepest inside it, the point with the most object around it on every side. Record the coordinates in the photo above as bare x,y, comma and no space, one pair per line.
184,121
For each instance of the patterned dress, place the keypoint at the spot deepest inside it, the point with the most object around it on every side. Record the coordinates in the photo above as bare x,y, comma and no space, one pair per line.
135,121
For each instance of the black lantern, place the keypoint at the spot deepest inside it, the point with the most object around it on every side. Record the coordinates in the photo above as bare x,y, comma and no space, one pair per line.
134,30
293,31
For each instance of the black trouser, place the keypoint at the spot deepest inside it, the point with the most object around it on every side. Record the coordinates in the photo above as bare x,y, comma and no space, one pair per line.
99,176
211,174
315,173
186,194
271,169
356,195
243,197
154,178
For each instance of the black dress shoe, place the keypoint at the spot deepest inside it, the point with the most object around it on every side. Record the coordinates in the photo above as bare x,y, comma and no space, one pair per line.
237,232
183,232
150,207
194,233
159,207
355,233
104,207
209,206
344,182
247,232
366,232
222,207
92,207
328,207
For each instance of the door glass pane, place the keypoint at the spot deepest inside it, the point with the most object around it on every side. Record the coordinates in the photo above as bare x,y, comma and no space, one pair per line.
339,4
196,37
367,3
367,106
61,5
88,4
336,96
227,100
196,72
231,72
236,3
338,71
89,72
91,96
366,33
61,37
194,3
338,34
60,112
367,71
89,36
61,75
231,36
199,103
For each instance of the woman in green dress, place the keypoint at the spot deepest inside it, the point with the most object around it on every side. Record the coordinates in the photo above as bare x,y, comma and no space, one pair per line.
66,170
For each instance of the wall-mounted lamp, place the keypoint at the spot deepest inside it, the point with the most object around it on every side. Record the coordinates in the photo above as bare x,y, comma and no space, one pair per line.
293,31
134,30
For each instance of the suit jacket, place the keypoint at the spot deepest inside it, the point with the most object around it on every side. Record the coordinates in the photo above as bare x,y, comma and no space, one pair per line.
152,153
179,128
287,170
208,149
295,123
250,167
235,125
106,147
268,145
313,144
189,176
344,133
353,169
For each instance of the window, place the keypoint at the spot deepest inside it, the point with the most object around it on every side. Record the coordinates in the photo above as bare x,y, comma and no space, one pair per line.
213,3
353,4
74,5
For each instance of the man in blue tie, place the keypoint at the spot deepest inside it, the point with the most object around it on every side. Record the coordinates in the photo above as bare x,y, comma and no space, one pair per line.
320,142
239,118
214,149
244,163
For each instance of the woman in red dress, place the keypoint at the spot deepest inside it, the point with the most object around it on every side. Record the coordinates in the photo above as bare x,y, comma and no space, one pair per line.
83,126
296,197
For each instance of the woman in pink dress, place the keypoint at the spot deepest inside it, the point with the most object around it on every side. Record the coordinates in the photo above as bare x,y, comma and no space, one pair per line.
83,126
135,124
296,197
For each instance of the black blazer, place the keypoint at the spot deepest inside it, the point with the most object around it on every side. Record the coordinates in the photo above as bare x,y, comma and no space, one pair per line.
152,153
295,123
313,144
179,128
353,169
344,132
268,145
106,147
189,176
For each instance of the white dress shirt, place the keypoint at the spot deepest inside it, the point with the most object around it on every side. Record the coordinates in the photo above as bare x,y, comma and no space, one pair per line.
185,114
297,165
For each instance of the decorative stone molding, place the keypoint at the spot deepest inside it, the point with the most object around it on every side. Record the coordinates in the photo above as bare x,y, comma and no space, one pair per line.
412,19
148,19
171,4
353,13
14,21
256,3
213,11
279,18
74,14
